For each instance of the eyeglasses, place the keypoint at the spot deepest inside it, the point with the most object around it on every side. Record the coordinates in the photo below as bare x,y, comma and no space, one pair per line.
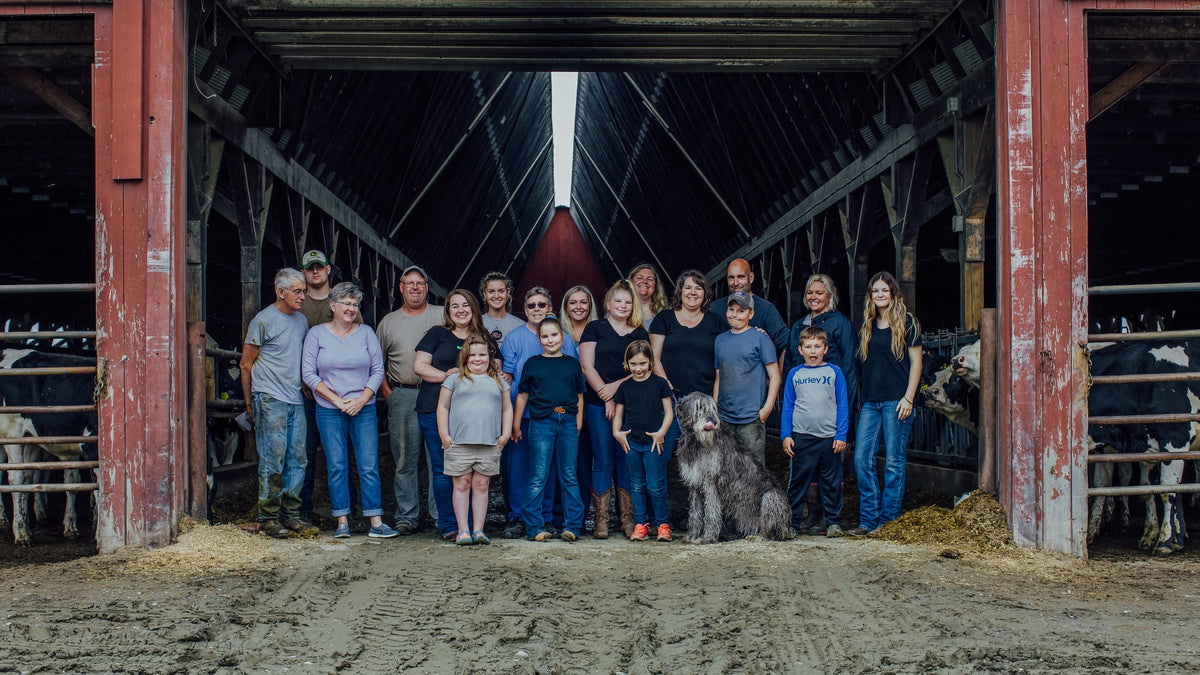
296,291
347,305
415,284
536,305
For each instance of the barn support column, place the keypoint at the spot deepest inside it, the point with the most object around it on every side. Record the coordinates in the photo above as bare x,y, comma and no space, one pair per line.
969,158
252,187
138,112
1042,104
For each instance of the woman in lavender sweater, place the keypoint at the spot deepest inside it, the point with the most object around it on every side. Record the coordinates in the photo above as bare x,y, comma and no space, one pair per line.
343,365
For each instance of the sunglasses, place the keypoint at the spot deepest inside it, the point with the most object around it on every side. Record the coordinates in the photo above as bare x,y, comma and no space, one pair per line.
536,305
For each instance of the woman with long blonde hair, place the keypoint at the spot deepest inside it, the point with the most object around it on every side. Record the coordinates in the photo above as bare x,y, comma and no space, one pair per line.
889,348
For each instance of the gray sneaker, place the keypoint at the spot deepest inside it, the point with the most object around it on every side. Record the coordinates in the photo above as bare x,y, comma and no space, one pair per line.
382,531
834,531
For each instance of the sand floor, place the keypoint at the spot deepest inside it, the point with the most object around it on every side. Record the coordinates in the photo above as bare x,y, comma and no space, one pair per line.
222,600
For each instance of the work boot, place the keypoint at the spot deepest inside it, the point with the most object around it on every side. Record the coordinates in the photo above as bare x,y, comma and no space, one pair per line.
600,502
272,528
625,506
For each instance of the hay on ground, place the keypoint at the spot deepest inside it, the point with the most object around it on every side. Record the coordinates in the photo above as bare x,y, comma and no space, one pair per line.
201,550
976,524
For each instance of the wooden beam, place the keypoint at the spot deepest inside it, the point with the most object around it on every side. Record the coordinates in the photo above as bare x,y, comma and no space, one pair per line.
258,145
1121,85
56,98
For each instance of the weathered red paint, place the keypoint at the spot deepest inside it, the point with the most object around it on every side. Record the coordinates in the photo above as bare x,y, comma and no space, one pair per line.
1042,103
127,57
139,276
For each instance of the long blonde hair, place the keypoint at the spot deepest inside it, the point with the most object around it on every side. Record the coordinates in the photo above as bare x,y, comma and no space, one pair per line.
895,314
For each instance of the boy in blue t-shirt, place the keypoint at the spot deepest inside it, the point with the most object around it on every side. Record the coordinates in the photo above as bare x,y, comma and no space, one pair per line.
816,416
747,376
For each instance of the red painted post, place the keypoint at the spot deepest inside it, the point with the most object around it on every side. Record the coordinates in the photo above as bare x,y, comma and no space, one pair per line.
1042,96
139,274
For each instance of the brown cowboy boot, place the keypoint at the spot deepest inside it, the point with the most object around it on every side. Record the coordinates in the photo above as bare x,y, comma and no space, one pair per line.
625,506
601,502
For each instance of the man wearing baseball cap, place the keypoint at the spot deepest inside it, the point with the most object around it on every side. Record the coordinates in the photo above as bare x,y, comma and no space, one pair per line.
317,310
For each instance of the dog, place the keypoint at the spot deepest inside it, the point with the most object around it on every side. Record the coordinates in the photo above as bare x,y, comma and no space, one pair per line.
725,483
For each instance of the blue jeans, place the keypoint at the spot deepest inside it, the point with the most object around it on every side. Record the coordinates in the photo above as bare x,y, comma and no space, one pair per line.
605,451
553,441
647,473
362,430
514,467
442,486
672,437
279,432
404,440
813,460
880,421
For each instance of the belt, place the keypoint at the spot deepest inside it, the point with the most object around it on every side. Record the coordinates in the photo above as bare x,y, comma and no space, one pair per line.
400,385
560,410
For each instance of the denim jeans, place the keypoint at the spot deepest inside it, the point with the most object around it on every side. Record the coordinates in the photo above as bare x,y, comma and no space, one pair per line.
812,460
647,474
279,432
405,442
514,469
312,439
553,443
672,437
362,430
880,421
605,451
442,486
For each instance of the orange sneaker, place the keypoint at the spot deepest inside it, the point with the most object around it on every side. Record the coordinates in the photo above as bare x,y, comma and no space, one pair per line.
640,532
664,532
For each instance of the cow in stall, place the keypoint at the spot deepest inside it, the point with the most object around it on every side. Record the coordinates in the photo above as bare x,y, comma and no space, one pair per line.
30,390
948,394
1164,531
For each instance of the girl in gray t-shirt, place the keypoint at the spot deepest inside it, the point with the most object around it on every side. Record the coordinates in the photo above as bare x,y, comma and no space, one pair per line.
474,417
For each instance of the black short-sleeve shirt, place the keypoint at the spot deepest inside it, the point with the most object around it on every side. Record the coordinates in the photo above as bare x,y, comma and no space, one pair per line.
444,346
883,377
687,353
551,381
610,352
643,405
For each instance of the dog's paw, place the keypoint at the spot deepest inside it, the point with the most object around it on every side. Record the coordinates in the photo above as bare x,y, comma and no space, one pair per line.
699,540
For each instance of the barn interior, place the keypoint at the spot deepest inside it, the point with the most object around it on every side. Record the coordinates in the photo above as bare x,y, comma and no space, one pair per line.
805,137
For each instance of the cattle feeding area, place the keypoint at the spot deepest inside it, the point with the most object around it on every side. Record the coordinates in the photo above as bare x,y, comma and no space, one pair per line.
223,600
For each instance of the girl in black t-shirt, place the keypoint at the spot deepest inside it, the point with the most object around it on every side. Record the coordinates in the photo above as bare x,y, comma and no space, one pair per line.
889,347
602,355
640,425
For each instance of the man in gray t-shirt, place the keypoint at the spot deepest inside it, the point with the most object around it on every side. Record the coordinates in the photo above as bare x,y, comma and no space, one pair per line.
270,368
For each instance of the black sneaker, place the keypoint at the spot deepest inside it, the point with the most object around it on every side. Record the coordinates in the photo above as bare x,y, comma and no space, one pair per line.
515,530
819,530
405,529
272,528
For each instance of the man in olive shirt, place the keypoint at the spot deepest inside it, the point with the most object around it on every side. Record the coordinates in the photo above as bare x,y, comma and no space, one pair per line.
399,332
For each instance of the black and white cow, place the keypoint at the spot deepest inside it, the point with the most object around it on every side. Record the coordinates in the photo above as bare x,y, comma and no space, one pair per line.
29,390
947,394
1164,530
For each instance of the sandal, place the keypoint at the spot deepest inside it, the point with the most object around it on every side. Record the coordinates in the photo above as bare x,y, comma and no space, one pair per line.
480,538
464,539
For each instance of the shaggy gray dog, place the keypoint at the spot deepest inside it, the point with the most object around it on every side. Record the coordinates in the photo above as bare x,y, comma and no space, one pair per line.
725,483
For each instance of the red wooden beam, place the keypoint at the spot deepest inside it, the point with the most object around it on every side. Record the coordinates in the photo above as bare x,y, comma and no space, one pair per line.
129,30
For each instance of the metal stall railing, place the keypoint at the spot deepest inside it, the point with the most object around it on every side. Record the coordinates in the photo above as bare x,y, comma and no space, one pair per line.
217,408
1099,458
36,336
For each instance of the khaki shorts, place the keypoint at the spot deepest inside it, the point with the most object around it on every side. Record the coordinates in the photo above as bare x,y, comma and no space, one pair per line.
460,460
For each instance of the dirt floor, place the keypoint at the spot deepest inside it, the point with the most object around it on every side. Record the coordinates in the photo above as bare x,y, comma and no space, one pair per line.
955,599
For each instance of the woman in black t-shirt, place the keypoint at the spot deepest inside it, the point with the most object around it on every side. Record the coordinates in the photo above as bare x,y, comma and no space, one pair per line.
891,371
437,359
602,355
683,338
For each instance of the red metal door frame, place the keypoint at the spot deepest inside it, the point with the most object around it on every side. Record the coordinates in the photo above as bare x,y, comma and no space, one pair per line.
138,108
